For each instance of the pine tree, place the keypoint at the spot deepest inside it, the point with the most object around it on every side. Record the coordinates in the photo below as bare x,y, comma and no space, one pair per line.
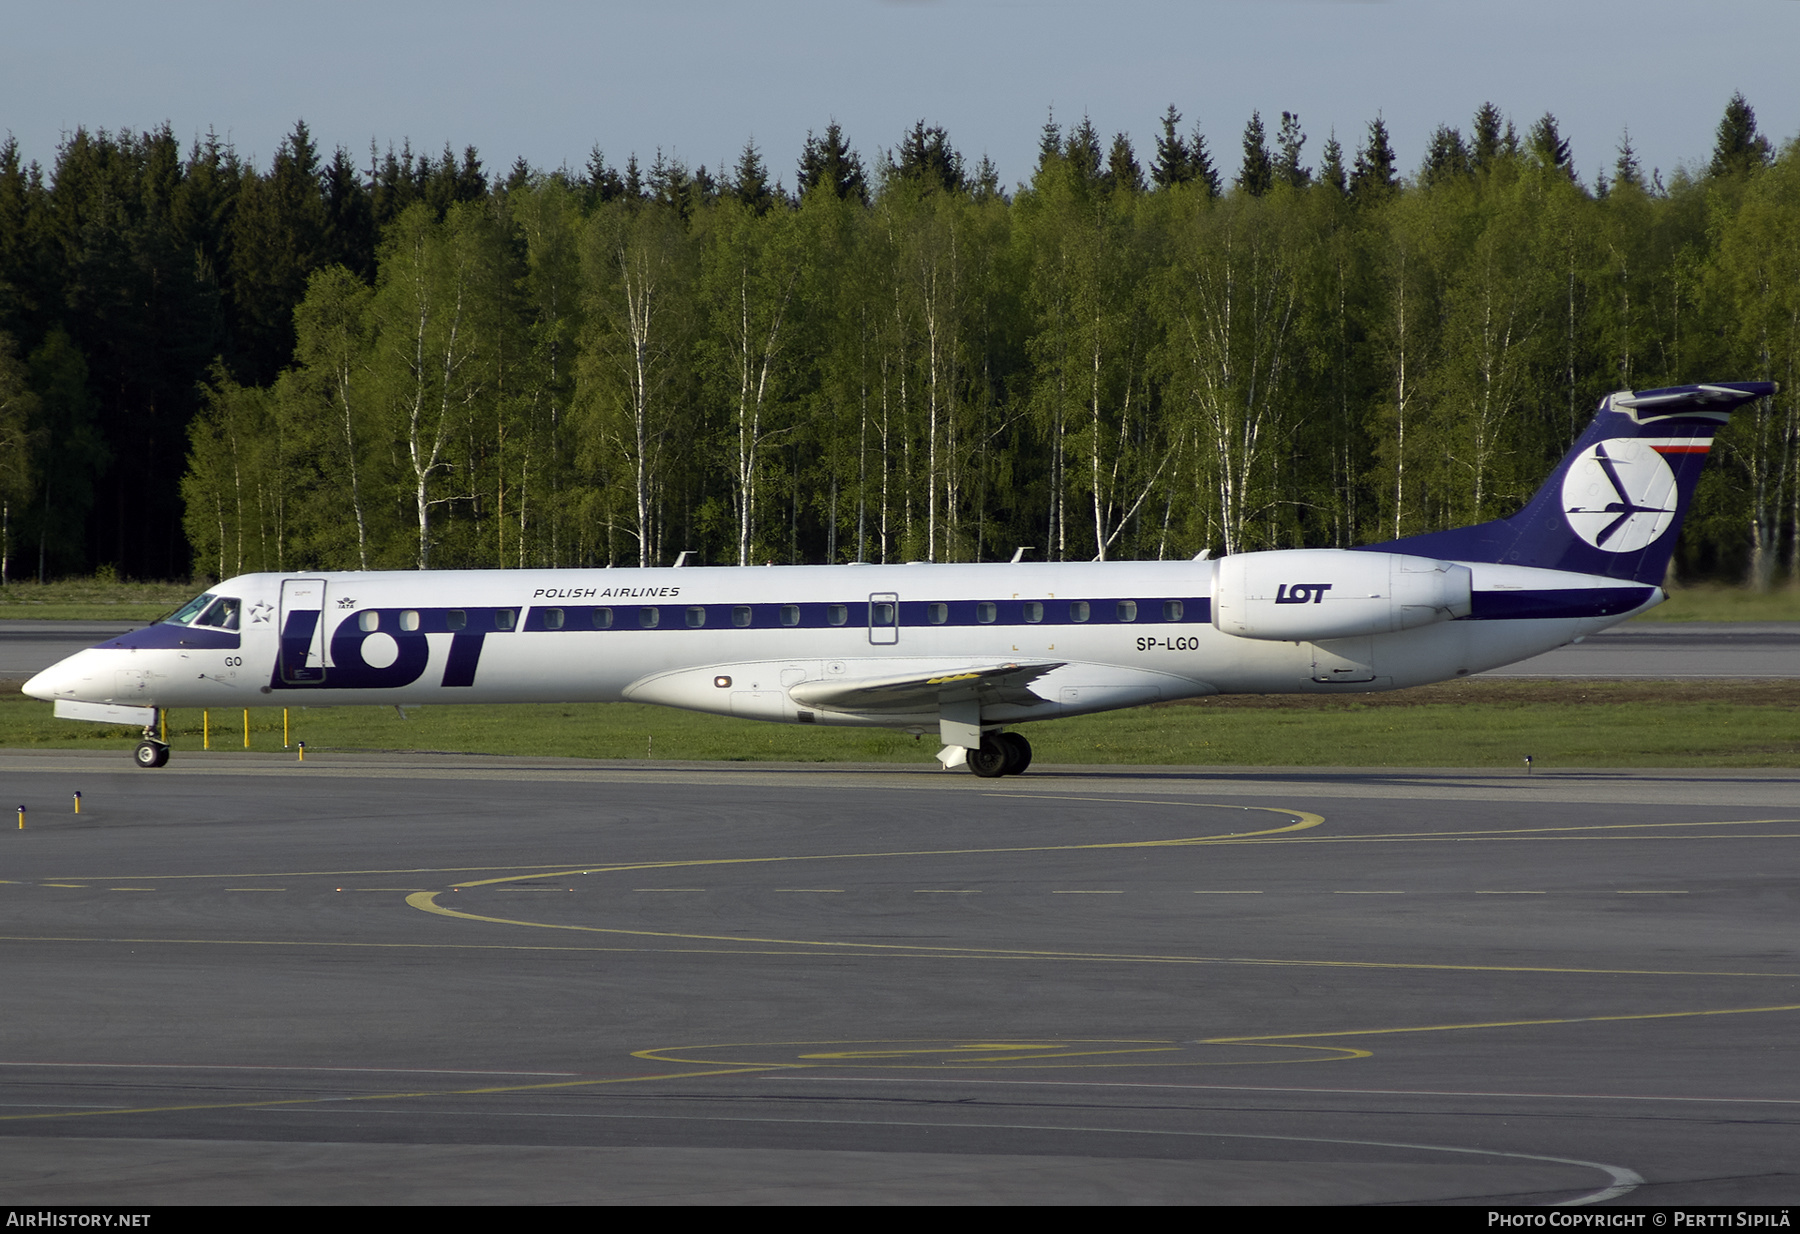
1331,166
984,182
1484,149
1373,176
1257,176
1173,163
927,159
446,182
1201,163
1083,151
1446,158
1049,139
1739,149
671,185
1122,170
1288,141
349,238
277,242
394,183
601,183
1626,169
750,182
1549,147
830,161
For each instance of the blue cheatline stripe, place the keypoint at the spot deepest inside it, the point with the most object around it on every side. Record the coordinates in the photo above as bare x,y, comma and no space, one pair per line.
914,614
1574,602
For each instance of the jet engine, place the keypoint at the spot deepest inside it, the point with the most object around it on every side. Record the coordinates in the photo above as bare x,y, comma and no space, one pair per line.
1302,595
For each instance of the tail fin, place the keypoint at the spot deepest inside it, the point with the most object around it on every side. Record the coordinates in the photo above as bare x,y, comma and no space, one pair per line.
1615,504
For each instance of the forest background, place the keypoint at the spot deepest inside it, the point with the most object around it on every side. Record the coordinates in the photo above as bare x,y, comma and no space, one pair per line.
207,368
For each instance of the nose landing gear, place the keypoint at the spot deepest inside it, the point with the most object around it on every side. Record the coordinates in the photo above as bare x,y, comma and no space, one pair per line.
150,752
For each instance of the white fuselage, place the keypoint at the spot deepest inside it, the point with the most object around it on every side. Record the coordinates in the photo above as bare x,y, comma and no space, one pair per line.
762,642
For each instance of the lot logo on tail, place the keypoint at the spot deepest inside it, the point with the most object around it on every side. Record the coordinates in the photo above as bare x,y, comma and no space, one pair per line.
1619,495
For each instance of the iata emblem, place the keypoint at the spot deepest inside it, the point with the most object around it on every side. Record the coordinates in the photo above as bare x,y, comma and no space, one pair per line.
1619,495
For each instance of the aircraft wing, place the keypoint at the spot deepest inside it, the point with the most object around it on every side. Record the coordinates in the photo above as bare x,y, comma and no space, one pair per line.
926,691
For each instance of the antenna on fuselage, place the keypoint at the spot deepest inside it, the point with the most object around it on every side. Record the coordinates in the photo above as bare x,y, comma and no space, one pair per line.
682,560
1019,553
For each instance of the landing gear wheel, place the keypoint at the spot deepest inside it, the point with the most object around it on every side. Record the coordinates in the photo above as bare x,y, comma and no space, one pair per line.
151,753
1020,751
991,761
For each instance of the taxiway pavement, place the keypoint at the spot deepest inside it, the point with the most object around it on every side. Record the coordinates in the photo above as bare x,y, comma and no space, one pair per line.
460,980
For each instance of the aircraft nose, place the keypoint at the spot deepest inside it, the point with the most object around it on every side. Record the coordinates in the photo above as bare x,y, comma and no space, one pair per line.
60,680
44,684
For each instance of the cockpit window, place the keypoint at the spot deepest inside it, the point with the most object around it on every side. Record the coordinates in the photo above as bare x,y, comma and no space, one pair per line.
187,612
223,615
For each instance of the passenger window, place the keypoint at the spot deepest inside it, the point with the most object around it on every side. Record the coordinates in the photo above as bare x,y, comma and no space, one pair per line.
603,619
1034,611
503,618
368,621
985,612
1127,610
937,614
409,620
221,616
883,615
456,619
740,616
553,619
1078,610
1171,610
790,614
696,617
836,614
648,617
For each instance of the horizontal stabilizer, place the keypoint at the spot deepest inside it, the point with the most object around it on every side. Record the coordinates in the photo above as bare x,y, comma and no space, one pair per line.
1676,400
926,691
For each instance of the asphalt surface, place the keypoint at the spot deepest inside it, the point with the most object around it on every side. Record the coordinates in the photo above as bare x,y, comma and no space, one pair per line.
29,647
414,979
1662,650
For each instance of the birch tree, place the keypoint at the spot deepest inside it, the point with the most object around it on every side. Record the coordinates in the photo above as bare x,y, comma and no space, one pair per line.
636,268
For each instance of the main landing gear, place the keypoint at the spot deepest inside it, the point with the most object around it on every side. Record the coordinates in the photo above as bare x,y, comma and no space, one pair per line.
1001,754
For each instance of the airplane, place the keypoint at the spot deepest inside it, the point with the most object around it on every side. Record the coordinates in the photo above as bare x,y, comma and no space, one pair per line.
966,650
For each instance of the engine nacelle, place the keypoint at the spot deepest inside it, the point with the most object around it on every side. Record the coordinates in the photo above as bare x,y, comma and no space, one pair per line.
1307,594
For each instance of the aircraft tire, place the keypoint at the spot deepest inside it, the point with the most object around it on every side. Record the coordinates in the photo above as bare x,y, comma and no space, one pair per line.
1020,751
151,753
991,761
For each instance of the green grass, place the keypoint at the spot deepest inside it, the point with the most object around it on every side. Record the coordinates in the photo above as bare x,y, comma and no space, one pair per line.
1461,724
1715,602
93,599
